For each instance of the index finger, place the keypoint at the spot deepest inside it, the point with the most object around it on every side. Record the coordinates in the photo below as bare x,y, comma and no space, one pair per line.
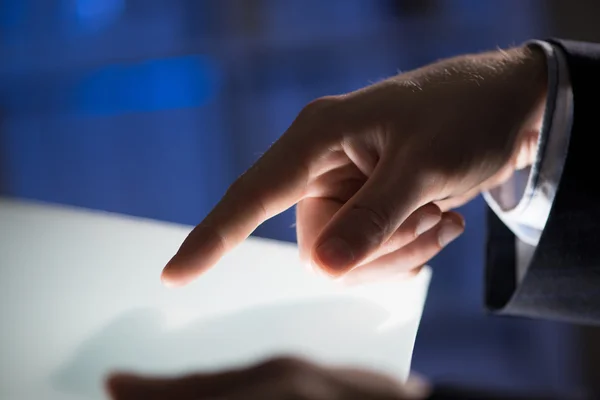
273,184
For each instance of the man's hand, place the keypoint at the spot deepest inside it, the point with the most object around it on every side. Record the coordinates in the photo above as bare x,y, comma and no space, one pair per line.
374,172
279,379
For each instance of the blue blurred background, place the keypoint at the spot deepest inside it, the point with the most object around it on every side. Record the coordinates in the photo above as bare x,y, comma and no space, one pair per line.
153,107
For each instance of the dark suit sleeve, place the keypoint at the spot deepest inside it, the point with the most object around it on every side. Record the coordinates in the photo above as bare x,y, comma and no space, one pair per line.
562,279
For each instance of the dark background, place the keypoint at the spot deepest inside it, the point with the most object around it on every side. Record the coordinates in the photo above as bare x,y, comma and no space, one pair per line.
152,107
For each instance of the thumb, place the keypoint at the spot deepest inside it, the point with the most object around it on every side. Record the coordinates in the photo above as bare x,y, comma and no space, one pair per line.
367,220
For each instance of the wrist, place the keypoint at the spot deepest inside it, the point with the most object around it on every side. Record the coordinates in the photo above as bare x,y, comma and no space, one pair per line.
533,78
527,76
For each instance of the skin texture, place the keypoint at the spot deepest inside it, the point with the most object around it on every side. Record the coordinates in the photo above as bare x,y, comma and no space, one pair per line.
374,174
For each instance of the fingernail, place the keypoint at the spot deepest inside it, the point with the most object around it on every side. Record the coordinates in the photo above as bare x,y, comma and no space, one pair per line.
167,281
335,254
449,231
426,222
317,270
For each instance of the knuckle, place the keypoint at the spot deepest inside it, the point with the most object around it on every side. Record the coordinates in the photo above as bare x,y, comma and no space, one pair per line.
319,109
378,219
259,207
237,186
423,220
435,244
243,188
431,208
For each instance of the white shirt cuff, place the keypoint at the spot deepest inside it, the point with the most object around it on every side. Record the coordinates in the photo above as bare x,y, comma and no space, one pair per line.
523,203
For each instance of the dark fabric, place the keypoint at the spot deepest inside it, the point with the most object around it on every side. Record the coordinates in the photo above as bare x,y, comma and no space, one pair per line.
446,392
562,281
